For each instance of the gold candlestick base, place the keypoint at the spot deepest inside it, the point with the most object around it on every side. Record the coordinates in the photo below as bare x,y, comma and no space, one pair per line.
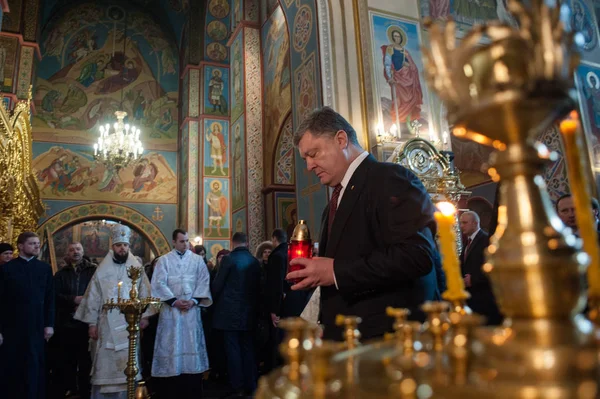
132,308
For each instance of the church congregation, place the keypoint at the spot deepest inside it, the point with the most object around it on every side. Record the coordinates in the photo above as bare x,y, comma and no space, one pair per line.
299,199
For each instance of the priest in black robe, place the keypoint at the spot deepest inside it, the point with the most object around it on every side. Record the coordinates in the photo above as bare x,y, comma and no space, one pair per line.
26,321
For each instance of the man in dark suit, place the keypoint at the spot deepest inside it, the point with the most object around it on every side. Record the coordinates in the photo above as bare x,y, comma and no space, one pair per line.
482,299
235,294
377,234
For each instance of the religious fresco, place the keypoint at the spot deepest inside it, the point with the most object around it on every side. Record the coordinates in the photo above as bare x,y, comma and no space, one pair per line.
401,92
213,247
239,221
216,208
217,30
587,80
469,157
61,240
9,47
238,162
170,12
284,155
90,69
216,147
276,79
237,77
216,88
466,12
286,212
95,239
69,172
156,221
583,22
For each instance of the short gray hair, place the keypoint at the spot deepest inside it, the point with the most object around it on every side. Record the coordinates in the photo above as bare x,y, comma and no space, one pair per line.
474,215
325,122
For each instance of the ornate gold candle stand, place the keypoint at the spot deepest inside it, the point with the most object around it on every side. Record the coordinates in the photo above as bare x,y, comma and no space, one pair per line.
132,308
291,379
503,94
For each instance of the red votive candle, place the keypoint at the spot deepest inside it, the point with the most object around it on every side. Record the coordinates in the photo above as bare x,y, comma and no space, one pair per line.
300,246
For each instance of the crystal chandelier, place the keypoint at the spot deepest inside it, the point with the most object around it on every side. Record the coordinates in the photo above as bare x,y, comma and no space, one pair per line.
116,148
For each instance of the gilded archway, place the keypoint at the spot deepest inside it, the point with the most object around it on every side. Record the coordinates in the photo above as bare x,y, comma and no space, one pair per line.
108,210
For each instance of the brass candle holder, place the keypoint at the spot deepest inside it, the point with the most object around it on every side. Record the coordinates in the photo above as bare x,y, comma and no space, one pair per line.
132,308
503,94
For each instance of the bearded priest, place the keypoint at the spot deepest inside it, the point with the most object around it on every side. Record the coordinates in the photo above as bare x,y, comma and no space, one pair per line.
108,330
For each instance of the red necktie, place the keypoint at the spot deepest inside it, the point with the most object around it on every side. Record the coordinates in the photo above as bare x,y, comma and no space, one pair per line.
333,203
467,248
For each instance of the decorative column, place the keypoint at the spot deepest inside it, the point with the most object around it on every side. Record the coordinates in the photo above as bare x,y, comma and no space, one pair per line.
247,125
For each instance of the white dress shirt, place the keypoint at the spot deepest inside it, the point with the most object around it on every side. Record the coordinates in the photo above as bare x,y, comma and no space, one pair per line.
350,172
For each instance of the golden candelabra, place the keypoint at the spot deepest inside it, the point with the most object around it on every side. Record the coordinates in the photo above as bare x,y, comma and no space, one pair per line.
437,172
502,86
132,308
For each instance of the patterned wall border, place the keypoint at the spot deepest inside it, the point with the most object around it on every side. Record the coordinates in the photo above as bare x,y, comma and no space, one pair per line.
194,191
254,128
106,210
25,71
194,82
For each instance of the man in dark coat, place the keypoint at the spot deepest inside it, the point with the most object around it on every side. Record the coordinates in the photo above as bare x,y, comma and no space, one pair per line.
26,320
73,358
472,257
235,295
378,232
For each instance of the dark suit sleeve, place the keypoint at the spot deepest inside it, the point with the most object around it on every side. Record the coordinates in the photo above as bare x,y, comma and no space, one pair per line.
49,299
479,280
219,282
3,296
275,280
401,221
63,300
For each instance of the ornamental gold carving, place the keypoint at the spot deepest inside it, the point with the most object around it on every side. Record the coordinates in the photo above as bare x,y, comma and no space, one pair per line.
20,203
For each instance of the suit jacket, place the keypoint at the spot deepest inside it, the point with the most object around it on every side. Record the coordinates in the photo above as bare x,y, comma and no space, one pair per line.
235,291
482,299
68,284
383,246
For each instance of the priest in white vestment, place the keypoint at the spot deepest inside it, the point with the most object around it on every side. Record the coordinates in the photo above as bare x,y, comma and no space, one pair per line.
108,330
182,281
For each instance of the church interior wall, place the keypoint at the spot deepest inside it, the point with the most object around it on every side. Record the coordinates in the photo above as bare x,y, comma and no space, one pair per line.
342,66
80,83
272,62
306,92
279,167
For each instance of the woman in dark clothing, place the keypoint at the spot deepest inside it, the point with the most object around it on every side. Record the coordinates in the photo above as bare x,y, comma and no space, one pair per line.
264,317
214,342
